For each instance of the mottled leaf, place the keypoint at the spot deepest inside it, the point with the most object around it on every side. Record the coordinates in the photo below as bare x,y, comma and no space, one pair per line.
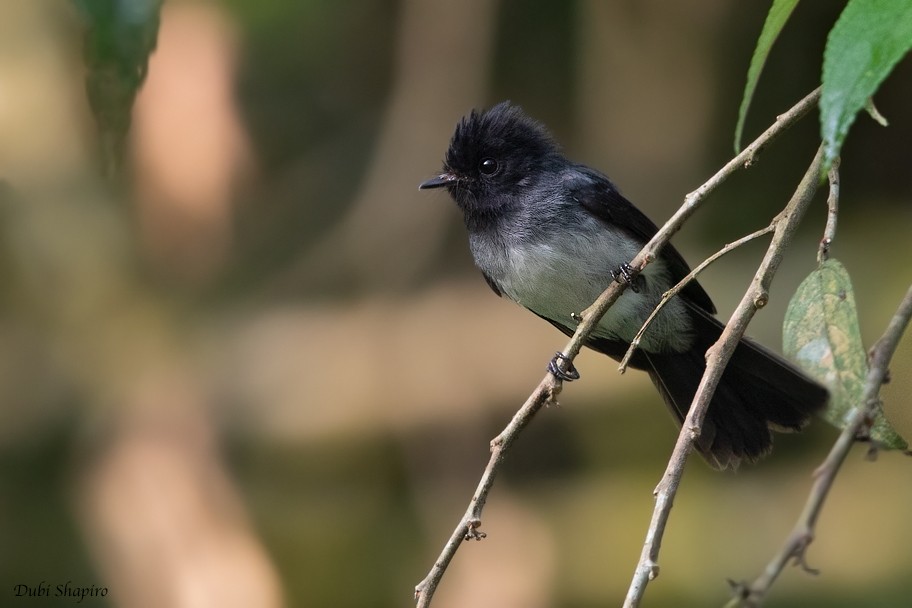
775,21
821,334
869,38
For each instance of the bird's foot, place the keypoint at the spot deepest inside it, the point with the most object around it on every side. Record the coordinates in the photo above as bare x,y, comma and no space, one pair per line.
567,375
625,274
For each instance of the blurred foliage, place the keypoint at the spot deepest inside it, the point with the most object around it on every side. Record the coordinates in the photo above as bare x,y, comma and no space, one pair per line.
39,532
536,64
301,496
119,37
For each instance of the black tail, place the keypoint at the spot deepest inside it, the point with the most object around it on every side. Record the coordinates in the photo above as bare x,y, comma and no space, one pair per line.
759,391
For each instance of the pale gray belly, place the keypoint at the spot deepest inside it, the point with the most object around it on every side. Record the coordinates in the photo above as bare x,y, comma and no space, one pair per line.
564,276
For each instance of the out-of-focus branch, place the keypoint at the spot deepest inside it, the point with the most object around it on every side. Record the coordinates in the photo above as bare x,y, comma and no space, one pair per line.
468,527
802,534
717,358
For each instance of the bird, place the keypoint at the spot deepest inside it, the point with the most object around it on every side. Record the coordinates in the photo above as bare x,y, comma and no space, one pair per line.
551,234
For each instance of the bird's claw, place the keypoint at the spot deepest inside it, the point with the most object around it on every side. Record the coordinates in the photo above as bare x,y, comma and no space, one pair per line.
625,274
567,375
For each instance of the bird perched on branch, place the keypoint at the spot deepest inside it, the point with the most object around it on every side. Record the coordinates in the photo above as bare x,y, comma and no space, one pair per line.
550,234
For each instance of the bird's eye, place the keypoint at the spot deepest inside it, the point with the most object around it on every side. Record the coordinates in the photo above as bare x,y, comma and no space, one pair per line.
488,166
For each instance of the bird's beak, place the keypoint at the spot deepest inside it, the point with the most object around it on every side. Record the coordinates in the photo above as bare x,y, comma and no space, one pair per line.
437,182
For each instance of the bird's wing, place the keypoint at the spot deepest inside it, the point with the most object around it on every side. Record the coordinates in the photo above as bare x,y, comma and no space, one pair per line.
492,284
599,197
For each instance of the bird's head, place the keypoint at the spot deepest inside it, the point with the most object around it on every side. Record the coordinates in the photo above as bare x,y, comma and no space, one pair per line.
493,157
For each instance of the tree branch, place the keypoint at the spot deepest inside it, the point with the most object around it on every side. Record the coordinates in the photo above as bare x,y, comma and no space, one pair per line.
467,529
668,295
550,386
717,358
802,534
829,233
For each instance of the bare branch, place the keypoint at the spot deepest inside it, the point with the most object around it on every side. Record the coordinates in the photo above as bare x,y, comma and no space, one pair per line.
467,529
717,358
802,534
745,159
668,295
550,386
829,233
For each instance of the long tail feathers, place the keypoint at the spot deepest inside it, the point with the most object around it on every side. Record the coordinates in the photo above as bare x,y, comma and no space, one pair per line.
758,391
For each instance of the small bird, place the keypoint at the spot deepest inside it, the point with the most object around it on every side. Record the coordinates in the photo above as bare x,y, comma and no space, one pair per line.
551,234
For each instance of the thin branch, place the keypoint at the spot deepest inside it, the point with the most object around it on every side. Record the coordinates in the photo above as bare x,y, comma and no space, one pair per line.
668,295
802,534
745,159
829,233
717,358
468,526
549,387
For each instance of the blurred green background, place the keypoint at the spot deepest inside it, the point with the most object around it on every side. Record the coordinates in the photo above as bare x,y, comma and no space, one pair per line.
244,362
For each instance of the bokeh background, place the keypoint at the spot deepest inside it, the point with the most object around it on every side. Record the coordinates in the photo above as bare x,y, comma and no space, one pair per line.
244,362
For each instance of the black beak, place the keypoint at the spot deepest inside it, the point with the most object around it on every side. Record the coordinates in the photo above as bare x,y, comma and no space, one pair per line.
440,181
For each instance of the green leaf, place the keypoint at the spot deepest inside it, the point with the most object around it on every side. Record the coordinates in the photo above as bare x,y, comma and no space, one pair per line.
822,336
775,21
869,38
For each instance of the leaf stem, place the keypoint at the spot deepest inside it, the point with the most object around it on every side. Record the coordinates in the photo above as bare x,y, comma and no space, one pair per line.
829,233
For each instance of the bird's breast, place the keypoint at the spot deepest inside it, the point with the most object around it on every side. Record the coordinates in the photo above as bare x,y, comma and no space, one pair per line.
557,276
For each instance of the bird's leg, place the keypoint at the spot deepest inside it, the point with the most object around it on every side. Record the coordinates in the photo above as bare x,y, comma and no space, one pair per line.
625,274
554,366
